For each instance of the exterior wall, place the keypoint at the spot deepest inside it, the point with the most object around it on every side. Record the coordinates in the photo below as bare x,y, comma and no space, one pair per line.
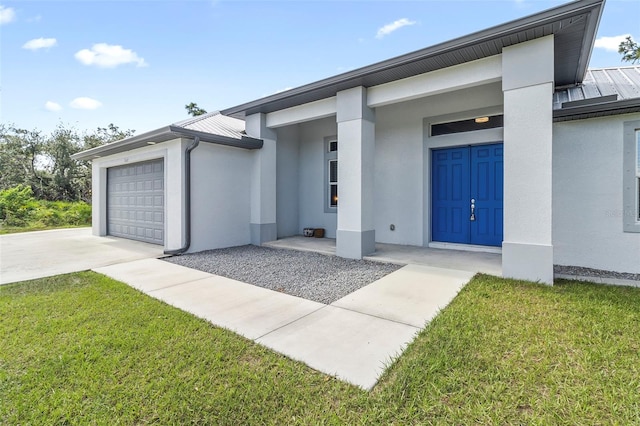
311,182
173,154
220,196
587,196
402,190
287,181
220,193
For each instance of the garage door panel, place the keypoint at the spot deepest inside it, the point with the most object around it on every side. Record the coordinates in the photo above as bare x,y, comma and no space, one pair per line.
136,201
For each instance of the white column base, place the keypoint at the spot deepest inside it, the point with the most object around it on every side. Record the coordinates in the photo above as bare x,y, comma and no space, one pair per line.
355,244
531,262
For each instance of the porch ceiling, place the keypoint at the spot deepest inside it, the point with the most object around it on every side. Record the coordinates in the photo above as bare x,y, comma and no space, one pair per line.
574,26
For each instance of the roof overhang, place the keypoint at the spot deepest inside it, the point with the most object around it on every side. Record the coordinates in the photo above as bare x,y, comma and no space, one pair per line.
594,110
165,134
573,25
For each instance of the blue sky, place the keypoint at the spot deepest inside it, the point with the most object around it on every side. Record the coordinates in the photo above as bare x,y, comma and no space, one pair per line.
137,63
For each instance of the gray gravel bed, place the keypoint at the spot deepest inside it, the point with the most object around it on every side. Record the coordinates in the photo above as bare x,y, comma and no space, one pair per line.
590,272
312,276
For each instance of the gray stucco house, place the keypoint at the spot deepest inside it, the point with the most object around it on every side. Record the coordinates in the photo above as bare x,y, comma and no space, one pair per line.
499,140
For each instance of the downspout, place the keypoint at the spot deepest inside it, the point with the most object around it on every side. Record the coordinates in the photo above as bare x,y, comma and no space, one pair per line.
187,198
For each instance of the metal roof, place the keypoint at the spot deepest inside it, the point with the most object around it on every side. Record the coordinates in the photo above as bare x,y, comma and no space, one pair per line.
604,91
215,123
212,127
574,27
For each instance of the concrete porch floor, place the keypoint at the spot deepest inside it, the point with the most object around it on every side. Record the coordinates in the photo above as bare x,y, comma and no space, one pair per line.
488,263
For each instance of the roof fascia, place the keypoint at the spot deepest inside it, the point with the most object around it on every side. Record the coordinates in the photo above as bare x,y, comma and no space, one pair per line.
498,31
604,108
164,134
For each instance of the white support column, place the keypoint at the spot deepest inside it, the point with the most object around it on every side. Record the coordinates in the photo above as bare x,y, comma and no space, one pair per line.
263,181
528,83
98,200
356,142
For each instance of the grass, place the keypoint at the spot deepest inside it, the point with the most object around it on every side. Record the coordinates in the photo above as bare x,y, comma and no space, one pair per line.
81,348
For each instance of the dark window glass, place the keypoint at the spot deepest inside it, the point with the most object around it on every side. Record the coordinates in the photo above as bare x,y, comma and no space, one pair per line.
333,201
333,146
479,123
333,171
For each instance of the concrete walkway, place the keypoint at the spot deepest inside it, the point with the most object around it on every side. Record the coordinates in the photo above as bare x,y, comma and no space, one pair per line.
354,338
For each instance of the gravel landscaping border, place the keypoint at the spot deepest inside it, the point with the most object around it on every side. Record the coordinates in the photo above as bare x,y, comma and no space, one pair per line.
596,273
309,275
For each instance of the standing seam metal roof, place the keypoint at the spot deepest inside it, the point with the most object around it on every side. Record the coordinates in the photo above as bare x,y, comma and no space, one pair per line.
624,82
604,91
215,123
212,128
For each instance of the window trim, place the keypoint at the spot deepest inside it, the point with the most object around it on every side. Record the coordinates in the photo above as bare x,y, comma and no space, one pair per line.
329,156
631,178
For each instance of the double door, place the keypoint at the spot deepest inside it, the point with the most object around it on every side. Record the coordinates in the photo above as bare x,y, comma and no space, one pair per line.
467,195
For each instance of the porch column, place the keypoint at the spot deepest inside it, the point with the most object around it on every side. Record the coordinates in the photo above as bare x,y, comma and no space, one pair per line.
355,236
528,83
263,181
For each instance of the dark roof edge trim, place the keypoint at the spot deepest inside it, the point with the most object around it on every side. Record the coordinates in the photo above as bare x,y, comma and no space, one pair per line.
500,30
246,141
164,134
590,101
602,109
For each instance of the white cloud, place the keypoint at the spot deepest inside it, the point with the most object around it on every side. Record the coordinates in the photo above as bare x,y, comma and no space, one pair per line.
395,25
33,19
610,43
7,14
85,103
40,43
52,106
105,55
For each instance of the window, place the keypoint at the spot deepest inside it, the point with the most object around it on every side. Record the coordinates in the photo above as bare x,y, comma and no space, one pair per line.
631,179
333,183
331,174
478,123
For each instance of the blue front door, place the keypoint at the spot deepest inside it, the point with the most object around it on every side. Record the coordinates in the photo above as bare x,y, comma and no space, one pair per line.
467,187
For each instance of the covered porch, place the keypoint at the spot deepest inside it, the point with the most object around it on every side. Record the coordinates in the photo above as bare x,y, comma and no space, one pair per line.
487,263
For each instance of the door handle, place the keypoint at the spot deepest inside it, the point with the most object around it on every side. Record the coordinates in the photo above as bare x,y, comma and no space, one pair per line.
473,210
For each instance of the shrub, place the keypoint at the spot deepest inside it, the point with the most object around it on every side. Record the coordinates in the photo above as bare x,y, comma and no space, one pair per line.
19,209
17,205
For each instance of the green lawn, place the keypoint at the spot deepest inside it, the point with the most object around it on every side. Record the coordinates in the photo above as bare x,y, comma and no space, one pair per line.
84,349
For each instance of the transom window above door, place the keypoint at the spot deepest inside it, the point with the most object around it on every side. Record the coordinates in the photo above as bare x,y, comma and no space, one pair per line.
473,124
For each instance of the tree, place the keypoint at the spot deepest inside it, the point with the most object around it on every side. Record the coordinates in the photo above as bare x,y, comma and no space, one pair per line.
194,110
630,50
22,155
44,164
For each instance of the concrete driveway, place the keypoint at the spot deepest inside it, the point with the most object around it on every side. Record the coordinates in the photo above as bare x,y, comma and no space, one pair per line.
31,255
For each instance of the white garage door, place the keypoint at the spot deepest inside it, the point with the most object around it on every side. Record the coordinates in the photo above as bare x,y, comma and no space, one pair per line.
135,201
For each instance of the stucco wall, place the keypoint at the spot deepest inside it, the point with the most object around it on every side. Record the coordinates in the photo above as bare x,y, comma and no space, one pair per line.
402,190
311,184
287,181
220,197
587,196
